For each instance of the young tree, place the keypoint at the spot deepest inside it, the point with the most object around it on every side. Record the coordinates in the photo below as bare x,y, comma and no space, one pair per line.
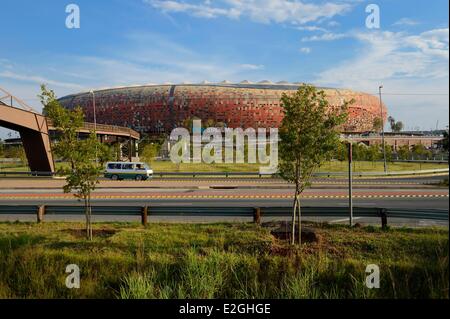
373,153
150,151
16,152
403,152
84,177
445,140
86,157
391,121
377,124
308,136
341,151
389,153
66,122
398,127
420,152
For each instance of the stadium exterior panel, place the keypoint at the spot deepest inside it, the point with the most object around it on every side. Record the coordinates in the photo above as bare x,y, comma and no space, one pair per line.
160,108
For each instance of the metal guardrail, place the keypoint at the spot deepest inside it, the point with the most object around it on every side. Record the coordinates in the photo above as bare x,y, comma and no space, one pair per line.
28,174
255,174
256,212
433,161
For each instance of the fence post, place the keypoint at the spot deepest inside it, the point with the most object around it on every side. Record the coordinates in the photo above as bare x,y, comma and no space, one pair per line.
383,215
40,213
257,215
144,215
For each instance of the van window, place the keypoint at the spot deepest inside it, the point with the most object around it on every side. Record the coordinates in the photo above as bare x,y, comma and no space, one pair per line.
113,166
127,166
138,167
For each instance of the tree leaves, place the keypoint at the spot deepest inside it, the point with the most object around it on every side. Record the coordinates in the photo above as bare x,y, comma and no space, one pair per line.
308,133
82,154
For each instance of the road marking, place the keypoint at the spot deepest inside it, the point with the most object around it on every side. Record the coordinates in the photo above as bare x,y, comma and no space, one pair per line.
355,182
343,220
68,197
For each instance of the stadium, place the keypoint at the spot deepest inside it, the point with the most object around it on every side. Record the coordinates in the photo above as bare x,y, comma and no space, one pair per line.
157,109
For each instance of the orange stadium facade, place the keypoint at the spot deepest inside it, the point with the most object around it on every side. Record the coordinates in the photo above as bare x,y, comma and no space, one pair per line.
157,109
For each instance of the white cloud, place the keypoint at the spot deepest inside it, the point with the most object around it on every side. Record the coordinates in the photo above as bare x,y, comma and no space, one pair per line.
37,79
199,10
251,66
406,22
264,11
324,37
393,55
305,50
134,63
5,63
406,64
333,23
434,42
311,28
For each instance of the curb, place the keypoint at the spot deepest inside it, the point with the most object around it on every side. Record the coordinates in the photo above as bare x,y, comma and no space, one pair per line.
225,187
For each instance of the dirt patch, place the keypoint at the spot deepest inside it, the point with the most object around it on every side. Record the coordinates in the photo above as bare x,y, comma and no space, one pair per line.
282,231
313,240
81,233
308,235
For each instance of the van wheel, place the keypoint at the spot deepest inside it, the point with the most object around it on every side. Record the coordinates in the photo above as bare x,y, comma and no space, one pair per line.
115,177
138,177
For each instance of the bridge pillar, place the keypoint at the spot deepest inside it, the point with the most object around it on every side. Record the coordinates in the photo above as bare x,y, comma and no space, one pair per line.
38,151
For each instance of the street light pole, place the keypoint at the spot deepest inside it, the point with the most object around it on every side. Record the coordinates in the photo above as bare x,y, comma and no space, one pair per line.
382,131
350,181
95,122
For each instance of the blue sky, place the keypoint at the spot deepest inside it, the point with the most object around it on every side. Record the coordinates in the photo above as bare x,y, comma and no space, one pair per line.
131,42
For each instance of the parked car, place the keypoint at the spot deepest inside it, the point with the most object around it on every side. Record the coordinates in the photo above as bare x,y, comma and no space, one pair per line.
128,170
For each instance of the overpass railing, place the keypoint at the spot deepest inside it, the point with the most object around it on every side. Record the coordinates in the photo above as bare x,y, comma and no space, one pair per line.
104,128
251,212
10,100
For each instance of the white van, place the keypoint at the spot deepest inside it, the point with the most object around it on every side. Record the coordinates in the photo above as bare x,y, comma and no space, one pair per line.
128,170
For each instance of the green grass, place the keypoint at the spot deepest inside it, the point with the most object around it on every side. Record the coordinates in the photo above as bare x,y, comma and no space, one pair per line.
126,260
332,166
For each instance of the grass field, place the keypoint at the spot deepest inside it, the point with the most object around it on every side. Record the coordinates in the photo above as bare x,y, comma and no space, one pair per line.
126,260
332,166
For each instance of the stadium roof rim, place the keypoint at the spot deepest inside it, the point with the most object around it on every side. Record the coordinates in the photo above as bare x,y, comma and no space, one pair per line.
279,86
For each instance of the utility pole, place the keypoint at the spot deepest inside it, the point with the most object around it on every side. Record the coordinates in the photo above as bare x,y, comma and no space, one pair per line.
382,131
350,181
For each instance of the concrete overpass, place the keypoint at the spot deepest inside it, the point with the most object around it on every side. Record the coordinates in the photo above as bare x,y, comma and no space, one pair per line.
34,129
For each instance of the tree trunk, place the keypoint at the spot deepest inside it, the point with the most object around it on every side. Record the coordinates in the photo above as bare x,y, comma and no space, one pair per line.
293,219
299,220
86,213
90,217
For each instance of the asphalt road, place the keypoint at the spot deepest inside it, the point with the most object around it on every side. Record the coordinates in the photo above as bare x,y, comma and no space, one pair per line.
373,194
